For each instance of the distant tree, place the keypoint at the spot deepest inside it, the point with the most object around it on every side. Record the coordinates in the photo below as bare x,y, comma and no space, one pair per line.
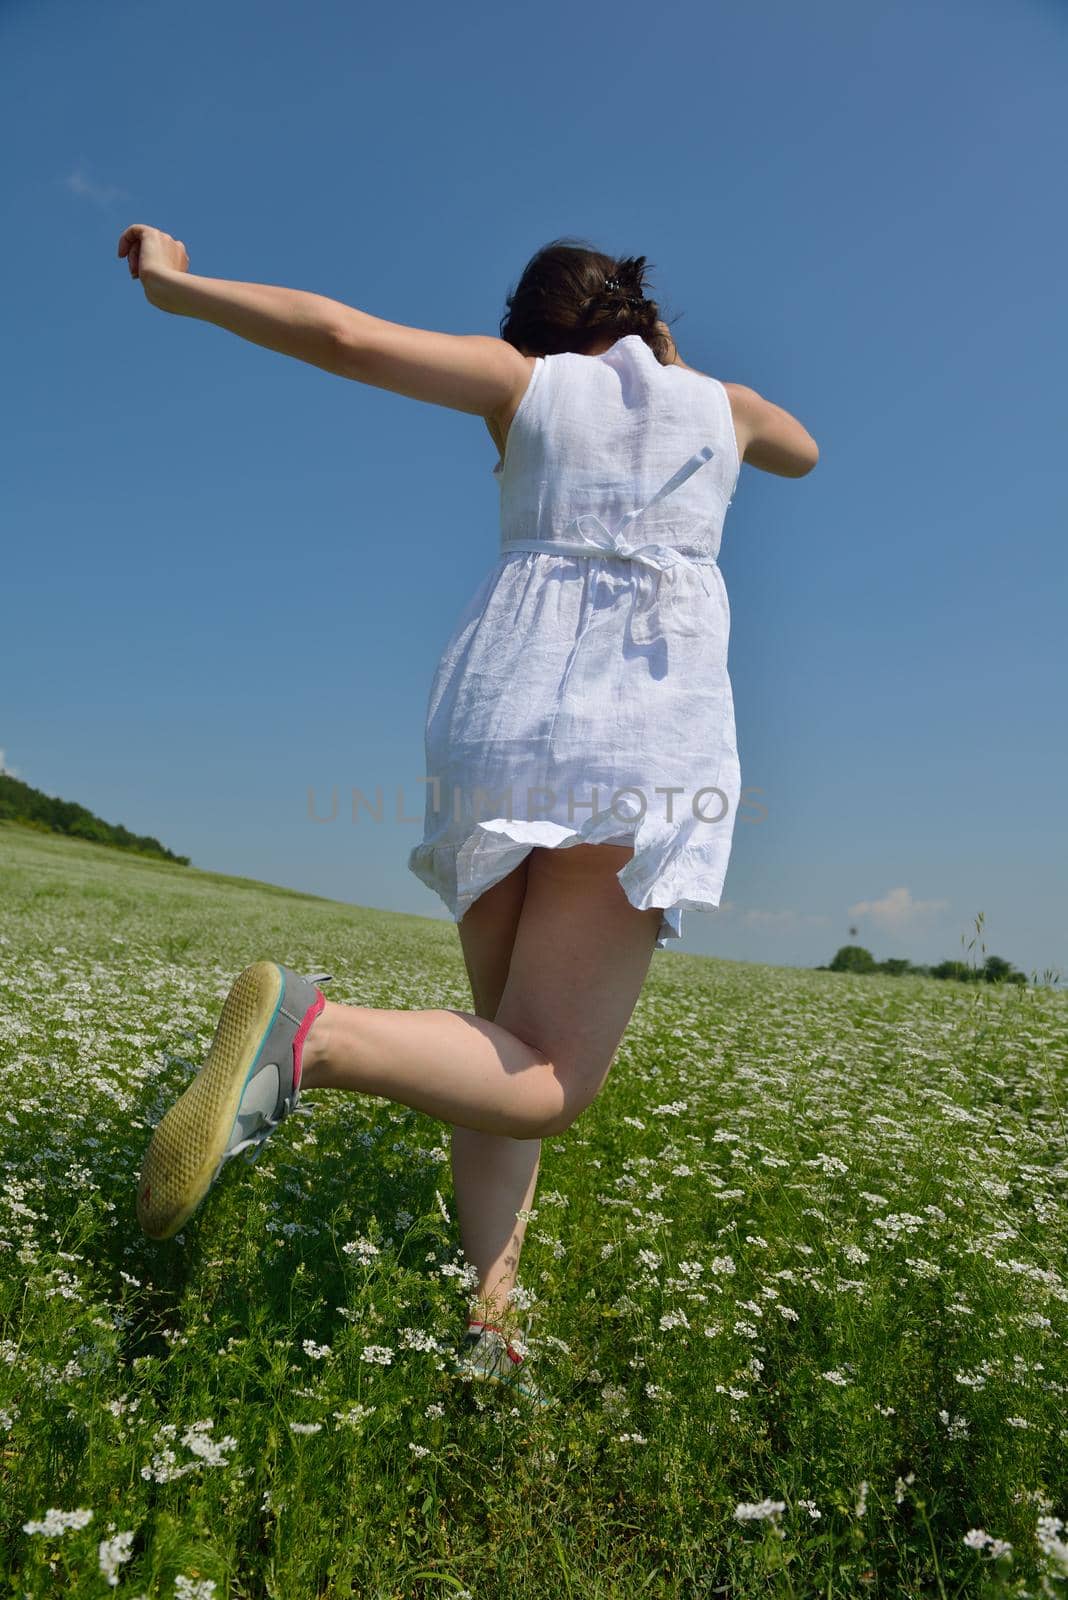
20,802
853,958
89,827
996,970
959,970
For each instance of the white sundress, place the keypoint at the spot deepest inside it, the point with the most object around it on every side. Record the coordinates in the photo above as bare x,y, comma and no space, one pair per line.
583,696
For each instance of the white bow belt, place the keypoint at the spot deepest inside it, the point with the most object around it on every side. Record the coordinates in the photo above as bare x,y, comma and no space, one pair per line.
685,570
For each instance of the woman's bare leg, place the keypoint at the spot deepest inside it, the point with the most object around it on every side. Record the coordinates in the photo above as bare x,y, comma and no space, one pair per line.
585,952
450,1064
494,1175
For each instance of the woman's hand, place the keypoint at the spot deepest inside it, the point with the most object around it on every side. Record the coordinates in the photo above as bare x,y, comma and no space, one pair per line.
149,250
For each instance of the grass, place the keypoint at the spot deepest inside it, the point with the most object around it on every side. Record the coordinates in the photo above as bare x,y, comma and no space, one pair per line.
805,1255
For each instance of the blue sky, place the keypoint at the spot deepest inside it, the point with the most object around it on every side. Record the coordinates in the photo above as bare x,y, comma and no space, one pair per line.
228,576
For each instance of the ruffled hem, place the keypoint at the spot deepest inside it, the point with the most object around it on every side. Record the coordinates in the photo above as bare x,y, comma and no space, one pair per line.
460,872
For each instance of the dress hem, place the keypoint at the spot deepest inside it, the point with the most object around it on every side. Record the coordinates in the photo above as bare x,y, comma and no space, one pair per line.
460,873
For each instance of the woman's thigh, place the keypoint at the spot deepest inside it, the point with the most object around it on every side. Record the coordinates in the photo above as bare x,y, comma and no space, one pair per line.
579,958
487,932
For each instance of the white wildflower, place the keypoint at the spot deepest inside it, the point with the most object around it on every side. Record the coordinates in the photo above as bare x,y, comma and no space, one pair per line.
211,1451
1052,1546
979,1539
113,1552
190,1589
674,1319
55,1523
758,1512
418,1339
354,1415
377,1352
828,1164
364,1248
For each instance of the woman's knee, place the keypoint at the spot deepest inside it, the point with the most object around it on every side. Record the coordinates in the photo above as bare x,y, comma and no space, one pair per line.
576,1084
572,1070
561,1121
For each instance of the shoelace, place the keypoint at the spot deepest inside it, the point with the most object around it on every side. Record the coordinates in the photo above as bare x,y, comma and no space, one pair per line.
292,1105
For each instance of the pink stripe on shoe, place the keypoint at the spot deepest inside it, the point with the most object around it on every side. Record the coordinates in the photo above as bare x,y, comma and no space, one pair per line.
301,1034
517,1360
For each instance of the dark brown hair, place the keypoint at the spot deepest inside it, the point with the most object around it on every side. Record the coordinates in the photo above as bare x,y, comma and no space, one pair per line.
561,302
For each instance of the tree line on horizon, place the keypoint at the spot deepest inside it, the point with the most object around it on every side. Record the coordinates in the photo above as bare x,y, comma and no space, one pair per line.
20,802
854,958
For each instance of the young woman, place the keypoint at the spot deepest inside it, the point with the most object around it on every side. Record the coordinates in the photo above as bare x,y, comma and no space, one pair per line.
581,760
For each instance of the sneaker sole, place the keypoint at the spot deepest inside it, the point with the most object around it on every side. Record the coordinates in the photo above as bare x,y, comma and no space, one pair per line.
191,1139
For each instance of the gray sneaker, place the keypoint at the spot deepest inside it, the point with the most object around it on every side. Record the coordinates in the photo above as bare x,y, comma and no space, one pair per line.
249,1084
486,1353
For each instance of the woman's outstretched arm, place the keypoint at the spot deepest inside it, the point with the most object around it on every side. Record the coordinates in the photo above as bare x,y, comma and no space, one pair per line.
465,372
291,321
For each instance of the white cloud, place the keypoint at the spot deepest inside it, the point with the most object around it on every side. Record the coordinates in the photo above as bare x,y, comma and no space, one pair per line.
774,920
897,909
4,766
99,193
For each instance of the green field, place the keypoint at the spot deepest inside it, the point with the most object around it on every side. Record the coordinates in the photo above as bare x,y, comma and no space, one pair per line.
805,1255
